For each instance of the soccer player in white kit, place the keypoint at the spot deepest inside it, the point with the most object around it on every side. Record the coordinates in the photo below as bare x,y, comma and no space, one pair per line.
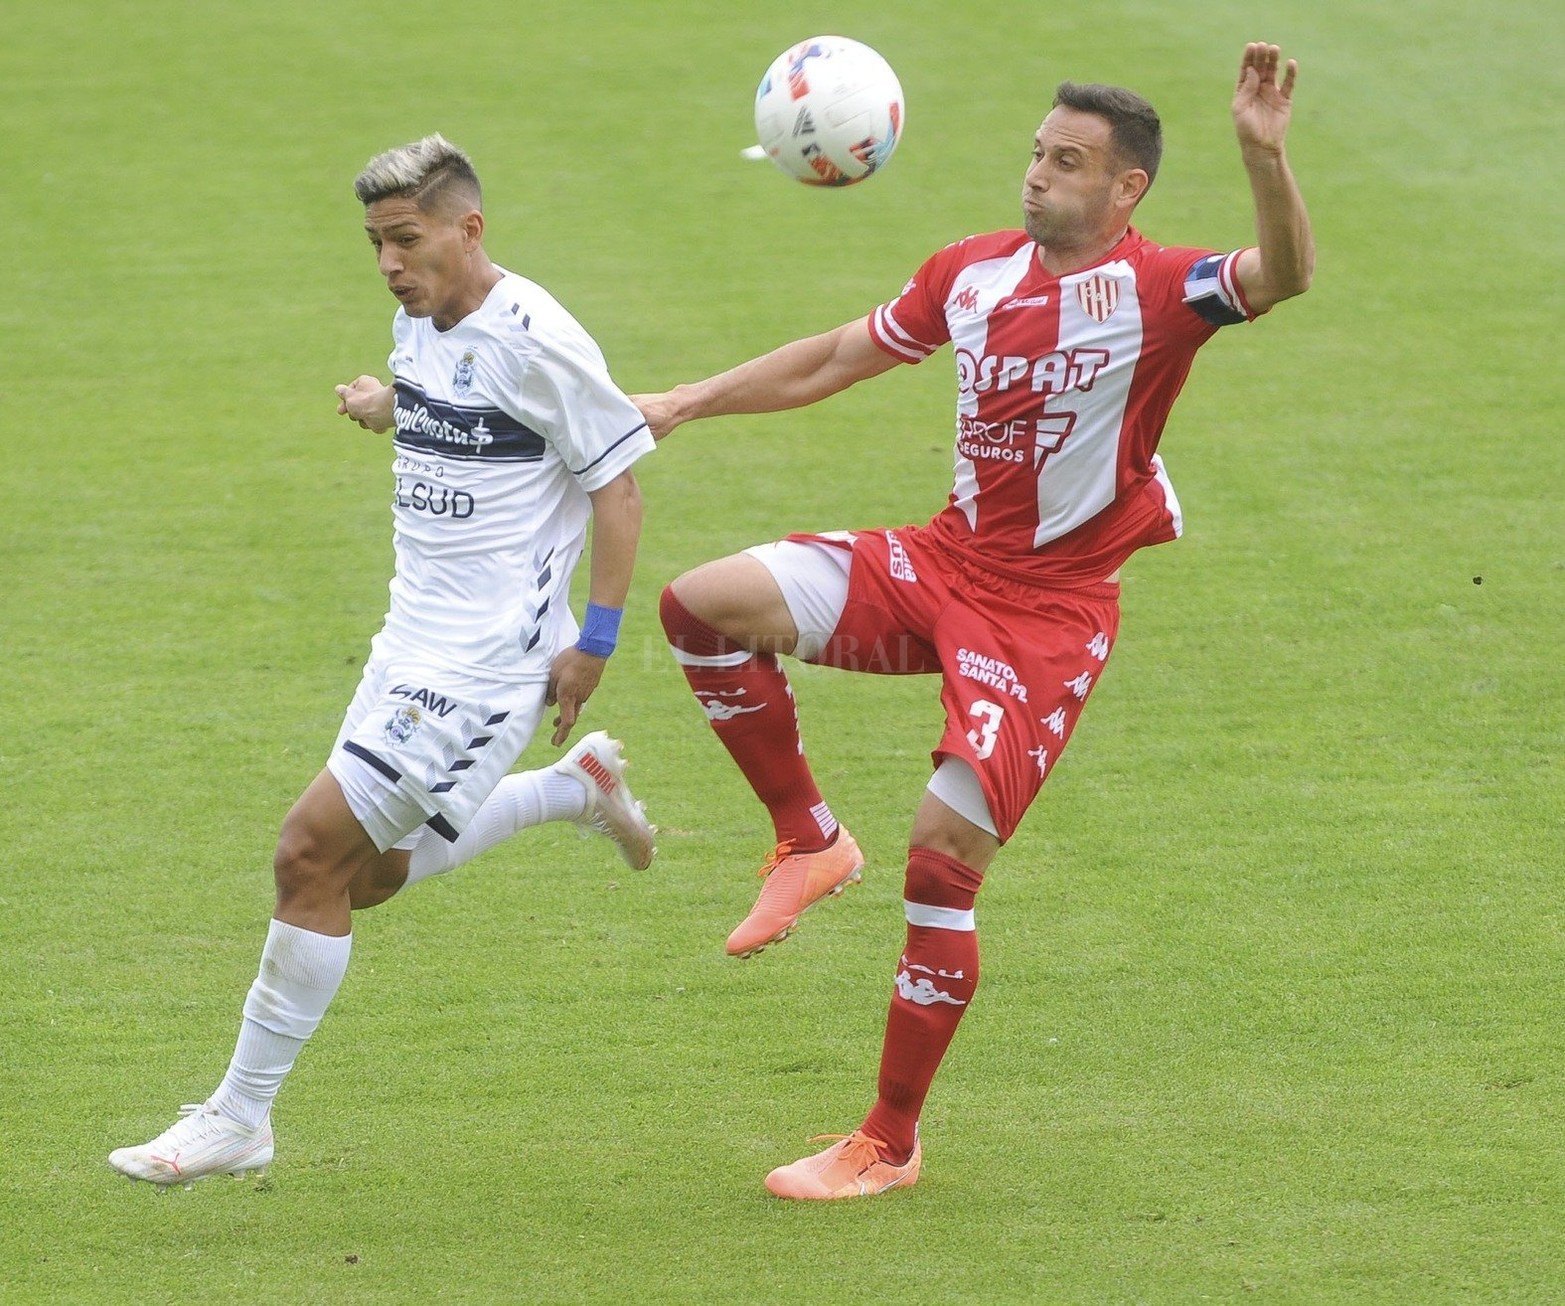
508,435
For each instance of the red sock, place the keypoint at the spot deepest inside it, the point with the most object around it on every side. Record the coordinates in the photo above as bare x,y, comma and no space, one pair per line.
935,982
749,704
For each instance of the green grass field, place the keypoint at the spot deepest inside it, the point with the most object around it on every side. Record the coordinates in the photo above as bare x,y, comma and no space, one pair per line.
1272,974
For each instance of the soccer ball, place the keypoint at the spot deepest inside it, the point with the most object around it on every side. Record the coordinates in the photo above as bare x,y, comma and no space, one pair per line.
829,111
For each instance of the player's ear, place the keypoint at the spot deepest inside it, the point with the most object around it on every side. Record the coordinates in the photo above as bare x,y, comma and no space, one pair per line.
472,229
1133,183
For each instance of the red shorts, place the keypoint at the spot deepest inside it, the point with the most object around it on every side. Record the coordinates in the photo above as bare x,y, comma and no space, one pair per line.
1017,660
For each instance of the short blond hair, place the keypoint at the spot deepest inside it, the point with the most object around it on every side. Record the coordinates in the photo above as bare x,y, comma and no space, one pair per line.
430,172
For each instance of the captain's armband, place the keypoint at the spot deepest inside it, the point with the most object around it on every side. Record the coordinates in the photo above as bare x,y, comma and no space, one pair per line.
1213,291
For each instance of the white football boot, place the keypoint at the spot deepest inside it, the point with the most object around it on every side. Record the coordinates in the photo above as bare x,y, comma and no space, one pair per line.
599,763
200,1143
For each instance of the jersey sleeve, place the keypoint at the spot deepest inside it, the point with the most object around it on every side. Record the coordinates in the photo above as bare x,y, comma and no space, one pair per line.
567,395
1213,292
1207,285
1194,292
913,325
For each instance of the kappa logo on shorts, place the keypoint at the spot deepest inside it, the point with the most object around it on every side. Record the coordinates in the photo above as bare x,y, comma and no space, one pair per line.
403,724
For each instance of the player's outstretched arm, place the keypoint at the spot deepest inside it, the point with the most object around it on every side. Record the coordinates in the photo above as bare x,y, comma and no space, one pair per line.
799,373
1283,260
616,531
368,401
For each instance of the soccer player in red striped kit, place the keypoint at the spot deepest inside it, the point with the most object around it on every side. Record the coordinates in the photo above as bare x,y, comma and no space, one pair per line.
1072,339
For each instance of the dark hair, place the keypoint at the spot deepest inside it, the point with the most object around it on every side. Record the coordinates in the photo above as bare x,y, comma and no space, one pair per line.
1138,135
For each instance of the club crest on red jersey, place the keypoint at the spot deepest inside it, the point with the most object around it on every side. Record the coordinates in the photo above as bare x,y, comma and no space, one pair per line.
1098,296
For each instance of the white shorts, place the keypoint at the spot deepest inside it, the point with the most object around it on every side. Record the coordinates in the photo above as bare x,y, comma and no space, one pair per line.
425,746
813,578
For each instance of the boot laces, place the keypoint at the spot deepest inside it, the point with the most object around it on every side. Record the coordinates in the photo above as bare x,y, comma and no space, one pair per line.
190,1125
776,858
861,1152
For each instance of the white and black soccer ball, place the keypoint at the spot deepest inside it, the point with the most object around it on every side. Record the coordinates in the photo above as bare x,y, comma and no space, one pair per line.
829,111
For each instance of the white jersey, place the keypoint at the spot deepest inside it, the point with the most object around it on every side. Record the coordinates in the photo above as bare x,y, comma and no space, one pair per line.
503,424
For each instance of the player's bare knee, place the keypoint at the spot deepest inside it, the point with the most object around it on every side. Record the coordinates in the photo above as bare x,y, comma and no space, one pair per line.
375,883
735,596
703,593
709,603
954,836
302,866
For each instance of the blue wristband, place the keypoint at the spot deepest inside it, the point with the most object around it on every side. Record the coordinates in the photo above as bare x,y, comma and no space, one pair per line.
600,631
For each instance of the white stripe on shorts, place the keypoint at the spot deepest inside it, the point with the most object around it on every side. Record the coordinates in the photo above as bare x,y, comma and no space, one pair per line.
938,918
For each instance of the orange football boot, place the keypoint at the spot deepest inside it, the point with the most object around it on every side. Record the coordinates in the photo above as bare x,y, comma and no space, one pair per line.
795,882
851,1167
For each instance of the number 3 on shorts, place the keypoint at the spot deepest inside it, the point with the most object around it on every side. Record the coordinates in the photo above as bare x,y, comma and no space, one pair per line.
982,736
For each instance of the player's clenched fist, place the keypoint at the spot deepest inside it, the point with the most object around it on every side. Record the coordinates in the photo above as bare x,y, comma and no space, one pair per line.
367,401
660,412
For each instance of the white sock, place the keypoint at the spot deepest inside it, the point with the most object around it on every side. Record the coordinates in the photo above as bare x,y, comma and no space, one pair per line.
518,802
300,972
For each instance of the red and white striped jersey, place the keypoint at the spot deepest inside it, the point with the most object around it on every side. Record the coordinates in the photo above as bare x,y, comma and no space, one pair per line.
1063,387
